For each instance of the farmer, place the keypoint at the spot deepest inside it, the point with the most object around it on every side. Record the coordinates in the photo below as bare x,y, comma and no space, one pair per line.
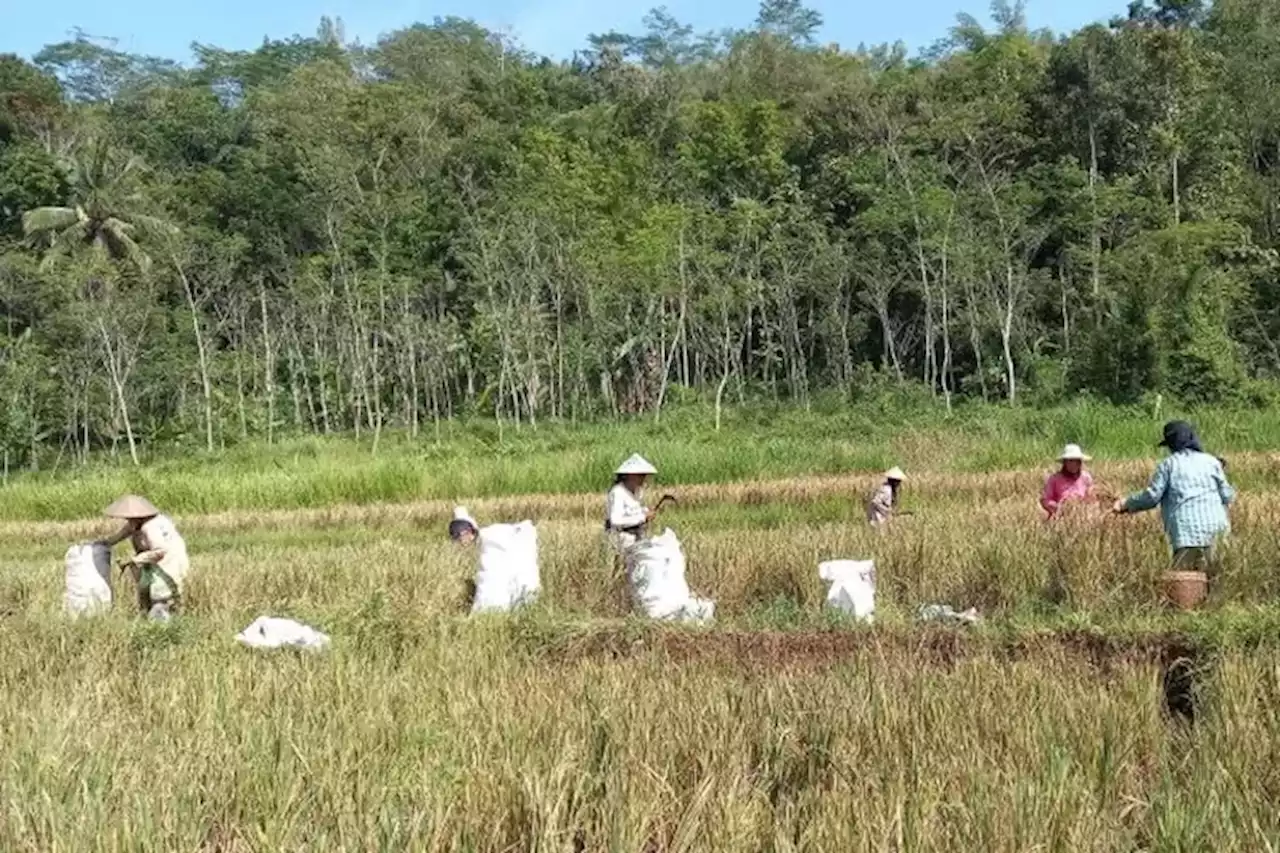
507,572
626,516
463,528
883,504
159,563
1071,482
1193,494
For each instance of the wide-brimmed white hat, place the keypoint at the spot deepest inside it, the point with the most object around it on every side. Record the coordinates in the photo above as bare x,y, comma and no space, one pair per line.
130,508
637,464
1073,453
895,473
460,514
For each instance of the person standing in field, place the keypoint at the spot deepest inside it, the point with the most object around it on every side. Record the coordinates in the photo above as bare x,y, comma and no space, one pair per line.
159,562
1191,489
1071,482
883,504
626,516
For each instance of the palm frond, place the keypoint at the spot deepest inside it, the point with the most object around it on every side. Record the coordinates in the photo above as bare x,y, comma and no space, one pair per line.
80,233
133,164
115,236
152,226
58,252
96,165
43,220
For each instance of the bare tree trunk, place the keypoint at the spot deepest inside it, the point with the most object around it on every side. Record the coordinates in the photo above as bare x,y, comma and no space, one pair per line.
975,337
890,347
295,382
1006,336
348,353
321,379
675,344
944,284
1066,312
684,313
1095,240
922,265
724,380
376,365
268,369
846,346
497,401
561,400
412,359
118,377
313,417
240,400
726,360
205,386
85,425
1006,301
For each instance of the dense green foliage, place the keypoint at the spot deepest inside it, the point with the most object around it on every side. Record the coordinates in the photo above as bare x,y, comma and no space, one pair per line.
322,237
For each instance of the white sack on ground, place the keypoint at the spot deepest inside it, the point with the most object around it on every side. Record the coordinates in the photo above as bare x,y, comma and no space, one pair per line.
656,572
269,632
853,587
88,579
947,613
508,575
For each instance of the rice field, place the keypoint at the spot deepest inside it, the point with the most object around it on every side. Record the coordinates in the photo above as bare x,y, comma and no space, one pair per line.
576,727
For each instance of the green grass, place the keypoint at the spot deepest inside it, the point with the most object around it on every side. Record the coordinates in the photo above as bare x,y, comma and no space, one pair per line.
469,459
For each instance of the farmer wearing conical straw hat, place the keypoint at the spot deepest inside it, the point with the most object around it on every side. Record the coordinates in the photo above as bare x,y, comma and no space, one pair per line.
626,516
1071,482
159,563
883,504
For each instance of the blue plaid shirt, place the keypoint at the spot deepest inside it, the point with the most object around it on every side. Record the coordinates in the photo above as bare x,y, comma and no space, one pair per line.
1193,494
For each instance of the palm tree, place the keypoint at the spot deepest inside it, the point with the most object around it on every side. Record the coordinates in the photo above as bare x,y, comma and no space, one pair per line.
104,212
104,215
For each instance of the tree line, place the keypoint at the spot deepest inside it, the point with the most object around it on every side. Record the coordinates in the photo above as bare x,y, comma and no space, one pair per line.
321,236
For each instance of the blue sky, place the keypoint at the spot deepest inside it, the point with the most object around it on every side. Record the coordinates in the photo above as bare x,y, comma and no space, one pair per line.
550,27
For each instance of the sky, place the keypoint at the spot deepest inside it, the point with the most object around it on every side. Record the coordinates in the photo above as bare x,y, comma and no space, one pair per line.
553,28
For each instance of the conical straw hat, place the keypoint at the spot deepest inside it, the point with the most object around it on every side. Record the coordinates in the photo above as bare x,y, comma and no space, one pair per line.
131,507
637,464
895,473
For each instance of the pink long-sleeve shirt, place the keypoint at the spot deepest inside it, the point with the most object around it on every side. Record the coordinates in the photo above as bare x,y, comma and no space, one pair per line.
1060,488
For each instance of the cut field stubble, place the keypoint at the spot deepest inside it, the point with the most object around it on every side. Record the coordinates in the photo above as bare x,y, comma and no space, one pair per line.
423,729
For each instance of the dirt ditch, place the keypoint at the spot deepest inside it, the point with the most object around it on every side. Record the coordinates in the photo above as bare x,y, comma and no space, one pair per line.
788,650
1184,666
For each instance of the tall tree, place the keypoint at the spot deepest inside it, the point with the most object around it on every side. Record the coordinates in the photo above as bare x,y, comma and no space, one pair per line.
105,211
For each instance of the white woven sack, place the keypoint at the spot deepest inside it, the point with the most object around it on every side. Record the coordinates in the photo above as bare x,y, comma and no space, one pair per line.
508,574
853,587
88,578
